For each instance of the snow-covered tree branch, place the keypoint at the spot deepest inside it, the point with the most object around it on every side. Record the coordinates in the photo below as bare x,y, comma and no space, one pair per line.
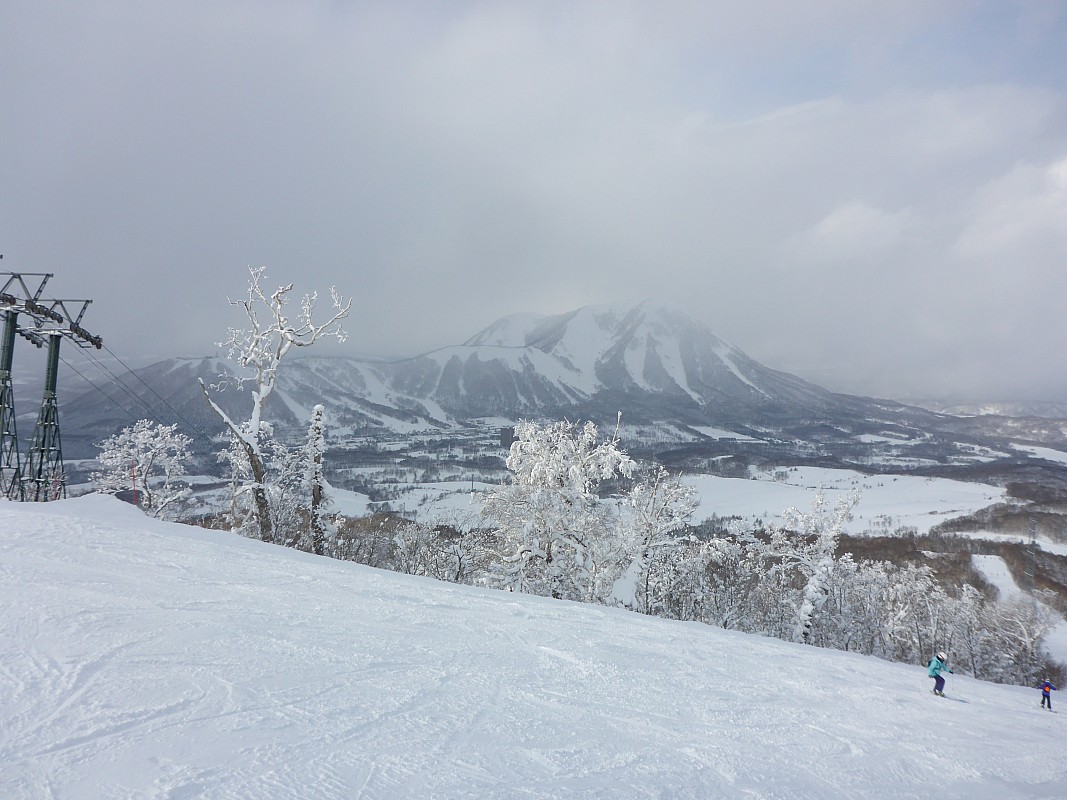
654,511
548,514
149,458
257,351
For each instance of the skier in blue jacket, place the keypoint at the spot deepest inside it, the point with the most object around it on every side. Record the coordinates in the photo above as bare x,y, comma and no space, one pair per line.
937,664
1046,693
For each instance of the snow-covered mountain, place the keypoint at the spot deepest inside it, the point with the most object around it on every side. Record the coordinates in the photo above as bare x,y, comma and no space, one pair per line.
147,659
646,361
656,366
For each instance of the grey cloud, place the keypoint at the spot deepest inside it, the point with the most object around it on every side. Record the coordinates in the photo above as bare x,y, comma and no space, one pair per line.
785,172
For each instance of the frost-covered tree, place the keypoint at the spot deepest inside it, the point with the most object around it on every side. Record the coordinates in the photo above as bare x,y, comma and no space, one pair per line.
1020,627
440,551
148,457
975,648
286,490
548,515
257,351
654,511
234,456
731,573
805,544
413,548
366,540
319,524
281,481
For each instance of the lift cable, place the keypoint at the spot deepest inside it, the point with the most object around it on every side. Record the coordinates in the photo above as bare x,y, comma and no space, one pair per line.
103,367
137,400
190,425
89,381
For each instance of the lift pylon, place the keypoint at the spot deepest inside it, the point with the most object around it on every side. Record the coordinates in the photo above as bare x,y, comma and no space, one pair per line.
10,463
45,478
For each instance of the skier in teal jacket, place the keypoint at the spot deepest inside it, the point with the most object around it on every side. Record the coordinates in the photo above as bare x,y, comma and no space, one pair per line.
937,664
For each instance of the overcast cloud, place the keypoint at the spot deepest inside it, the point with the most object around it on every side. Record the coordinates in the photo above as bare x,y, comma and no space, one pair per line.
871,195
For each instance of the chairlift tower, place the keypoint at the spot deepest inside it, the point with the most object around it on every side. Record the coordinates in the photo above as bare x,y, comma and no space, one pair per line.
10,464
44,477
16,297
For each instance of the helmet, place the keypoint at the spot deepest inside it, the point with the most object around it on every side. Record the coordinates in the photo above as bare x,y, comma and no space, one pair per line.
941,656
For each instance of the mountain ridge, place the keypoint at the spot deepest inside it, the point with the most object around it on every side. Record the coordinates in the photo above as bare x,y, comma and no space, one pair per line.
653,364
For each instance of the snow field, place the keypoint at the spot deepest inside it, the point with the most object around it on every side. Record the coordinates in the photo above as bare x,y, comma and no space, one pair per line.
150,660
885,500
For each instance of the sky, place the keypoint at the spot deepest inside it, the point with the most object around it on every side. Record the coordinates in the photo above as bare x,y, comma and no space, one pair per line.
144,658
870,195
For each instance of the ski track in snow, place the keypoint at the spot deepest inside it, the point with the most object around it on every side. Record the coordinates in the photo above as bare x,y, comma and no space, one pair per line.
143,659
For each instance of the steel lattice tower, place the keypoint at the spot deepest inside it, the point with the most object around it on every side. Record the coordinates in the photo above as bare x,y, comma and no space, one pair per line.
45,479
10,463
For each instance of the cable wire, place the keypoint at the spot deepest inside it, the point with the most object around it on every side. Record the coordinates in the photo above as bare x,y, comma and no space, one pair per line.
86,378
137,399
177,414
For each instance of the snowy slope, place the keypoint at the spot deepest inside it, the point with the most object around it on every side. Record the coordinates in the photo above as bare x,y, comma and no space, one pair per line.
145,659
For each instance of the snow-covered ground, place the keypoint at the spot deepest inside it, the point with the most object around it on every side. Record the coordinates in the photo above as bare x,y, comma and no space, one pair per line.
1047,453
887,502
143,659
1043,543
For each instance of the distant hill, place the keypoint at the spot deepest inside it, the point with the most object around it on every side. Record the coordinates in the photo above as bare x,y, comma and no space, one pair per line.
1017,408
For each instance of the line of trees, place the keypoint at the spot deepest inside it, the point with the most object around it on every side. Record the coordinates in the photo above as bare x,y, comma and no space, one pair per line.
547,531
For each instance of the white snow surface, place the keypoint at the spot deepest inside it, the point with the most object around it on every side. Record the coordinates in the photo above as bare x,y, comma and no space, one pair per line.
726,353
886,503
996,571
1043,543
144,659
509,331
722,433
1047,453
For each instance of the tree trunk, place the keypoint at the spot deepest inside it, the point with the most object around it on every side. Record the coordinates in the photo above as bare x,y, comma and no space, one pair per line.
318,530
259,494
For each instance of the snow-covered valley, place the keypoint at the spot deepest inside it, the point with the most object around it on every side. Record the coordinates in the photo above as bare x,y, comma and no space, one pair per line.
886,504
147,659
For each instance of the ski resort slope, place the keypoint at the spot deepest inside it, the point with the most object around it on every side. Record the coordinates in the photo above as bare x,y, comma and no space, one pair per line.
142,659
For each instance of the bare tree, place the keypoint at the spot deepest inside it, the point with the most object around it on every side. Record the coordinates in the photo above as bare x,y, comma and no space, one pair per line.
257,350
